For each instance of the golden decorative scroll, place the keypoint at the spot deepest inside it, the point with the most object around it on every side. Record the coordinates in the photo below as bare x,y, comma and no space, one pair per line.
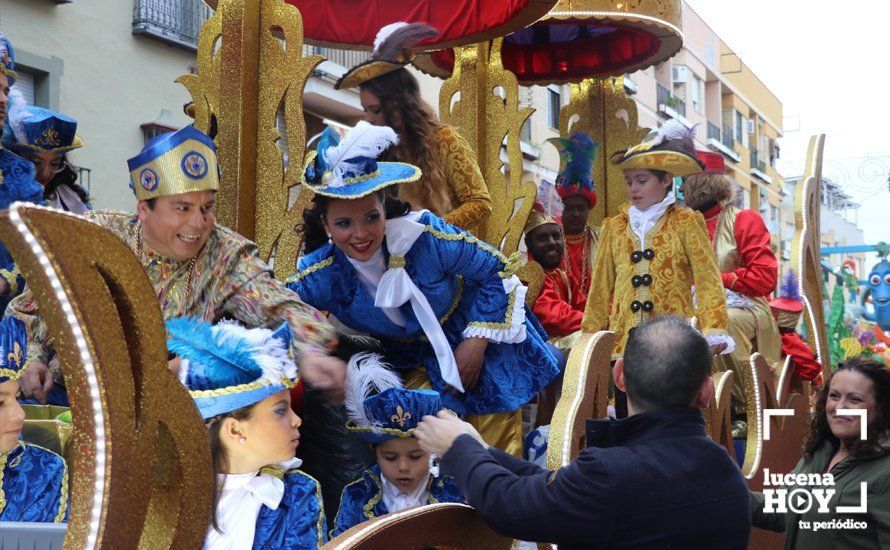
601,109
532,275
718,414
441,525
141,469
805,246
257,71
585,394
481,99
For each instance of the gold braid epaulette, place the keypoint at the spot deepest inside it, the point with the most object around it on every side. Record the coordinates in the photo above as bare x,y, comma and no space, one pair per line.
511,264
310,270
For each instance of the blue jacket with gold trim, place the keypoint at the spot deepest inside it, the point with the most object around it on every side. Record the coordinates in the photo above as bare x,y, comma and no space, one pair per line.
299,520
468,285
363,498
34,485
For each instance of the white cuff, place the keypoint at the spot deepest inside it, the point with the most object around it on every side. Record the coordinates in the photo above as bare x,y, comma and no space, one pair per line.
513,330
716,339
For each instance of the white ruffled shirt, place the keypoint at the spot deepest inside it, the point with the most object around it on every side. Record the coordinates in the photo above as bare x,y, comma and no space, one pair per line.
240,501
397,500
642,221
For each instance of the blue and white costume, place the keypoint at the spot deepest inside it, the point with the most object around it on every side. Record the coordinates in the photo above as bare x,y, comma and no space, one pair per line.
227,367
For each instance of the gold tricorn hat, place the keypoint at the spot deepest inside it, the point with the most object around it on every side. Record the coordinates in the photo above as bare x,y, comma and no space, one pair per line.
393,50
671,149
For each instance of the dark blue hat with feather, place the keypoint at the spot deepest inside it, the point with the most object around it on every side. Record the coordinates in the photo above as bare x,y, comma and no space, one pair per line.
226,367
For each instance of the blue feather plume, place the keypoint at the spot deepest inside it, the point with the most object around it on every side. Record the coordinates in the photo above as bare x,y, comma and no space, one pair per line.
216,359
790,288
576,159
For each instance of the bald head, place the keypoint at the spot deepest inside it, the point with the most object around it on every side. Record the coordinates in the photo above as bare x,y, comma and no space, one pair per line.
665,363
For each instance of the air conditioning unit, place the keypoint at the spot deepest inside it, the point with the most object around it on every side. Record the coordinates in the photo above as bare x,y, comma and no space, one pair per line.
750,126
680,74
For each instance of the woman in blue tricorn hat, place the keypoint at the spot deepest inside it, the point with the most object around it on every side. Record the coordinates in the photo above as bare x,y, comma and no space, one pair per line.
446,306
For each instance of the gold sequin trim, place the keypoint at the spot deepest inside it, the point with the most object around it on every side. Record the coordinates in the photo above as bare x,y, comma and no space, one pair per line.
310,270
467,238
507,322
3,458
396,262
11,374
240,388
369,506
63,500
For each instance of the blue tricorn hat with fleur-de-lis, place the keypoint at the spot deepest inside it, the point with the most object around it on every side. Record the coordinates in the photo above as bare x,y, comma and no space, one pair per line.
378,408
13,341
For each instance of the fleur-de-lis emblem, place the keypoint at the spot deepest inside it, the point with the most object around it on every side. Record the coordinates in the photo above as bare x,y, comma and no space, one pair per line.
401,416
16,354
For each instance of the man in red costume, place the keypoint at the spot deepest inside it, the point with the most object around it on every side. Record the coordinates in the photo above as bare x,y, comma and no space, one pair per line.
749,270
575,187
787,309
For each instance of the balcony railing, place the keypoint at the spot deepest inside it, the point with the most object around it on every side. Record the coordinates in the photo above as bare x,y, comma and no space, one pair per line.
727,139
666,98
173,21
714,132
344,58
757,163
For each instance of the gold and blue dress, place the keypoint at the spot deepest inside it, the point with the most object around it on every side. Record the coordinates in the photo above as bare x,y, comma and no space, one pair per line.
298,522
33,485
363,498
472,292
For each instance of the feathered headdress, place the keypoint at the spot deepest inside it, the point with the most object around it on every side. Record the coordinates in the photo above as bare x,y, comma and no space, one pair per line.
7,59
377,405
349,169
576,156
547,209
393,50
670,149
226,366
39,129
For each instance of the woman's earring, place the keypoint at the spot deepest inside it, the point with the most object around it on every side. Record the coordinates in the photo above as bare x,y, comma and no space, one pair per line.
242,441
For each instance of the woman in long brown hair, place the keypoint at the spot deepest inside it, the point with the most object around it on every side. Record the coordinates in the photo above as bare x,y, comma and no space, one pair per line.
859,467
452,185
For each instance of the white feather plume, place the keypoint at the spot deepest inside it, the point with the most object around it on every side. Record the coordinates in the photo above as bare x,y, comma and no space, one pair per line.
670,130
17,114
549,199
364,140
269,352
366,374
384,33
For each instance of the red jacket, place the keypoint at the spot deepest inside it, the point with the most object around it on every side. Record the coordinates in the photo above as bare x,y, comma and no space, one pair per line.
554,308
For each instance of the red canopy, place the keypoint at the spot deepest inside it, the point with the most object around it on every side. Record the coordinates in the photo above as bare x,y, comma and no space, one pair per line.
572,43
353,24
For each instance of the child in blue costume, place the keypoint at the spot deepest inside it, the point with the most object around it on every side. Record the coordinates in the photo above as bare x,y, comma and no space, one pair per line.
387,420
17,181
446,306
240,380
33,480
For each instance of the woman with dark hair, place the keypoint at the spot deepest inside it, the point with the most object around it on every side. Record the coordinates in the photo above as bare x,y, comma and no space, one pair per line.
447,307
452,185
240,380
859,468
652,252
45,138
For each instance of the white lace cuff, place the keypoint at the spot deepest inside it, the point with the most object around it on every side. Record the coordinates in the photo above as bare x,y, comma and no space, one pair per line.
512,330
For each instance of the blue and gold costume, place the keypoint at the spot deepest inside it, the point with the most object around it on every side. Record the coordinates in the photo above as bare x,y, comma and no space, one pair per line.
17,183
34,485
363,498
227,367
379,409
428,287
33,480
463,280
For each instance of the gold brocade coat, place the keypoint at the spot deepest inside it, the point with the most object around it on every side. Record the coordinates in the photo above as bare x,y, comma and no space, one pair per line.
465,201
226,280
682,257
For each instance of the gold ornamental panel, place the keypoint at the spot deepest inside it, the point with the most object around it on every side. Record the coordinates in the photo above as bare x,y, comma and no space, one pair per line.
140,457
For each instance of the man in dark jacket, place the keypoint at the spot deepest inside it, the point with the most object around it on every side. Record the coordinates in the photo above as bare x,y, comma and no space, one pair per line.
652,480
